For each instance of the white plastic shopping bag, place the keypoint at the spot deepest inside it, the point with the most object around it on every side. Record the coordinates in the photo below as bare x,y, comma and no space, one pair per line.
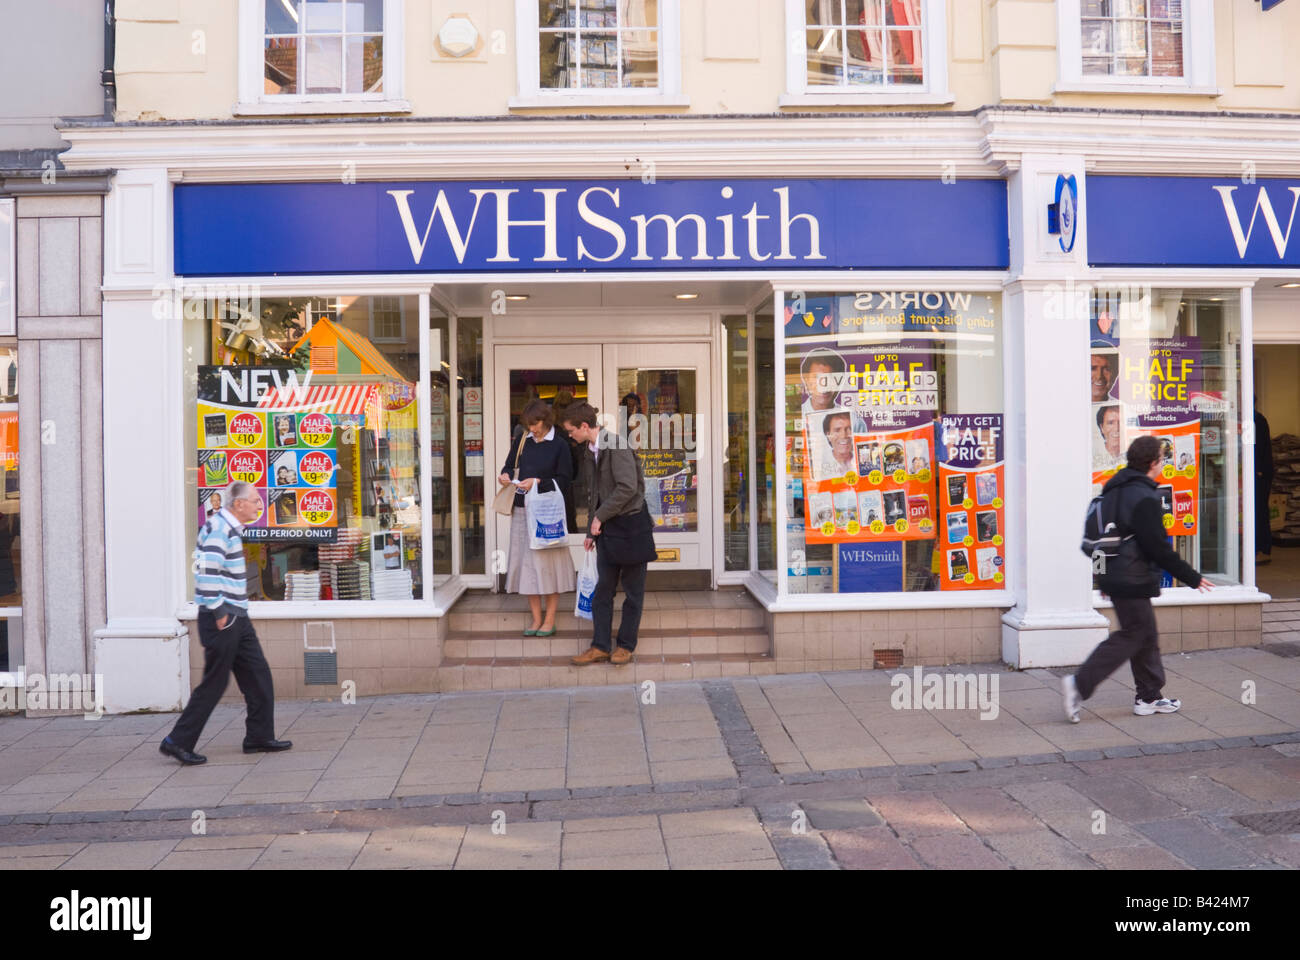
544,513
586,586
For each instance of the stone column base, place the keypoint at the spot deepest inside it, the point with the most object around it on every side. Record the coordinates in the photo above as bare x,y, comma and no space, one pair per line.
1051,641
146,669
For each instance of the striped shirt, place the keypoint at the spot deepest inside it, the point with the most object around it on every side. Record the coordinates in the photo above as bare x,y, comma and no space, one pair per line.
219,576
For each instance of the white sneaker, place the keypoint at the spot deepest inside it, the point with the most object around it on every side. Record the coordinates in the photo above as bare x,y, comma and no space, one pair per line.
1163,705
1072,702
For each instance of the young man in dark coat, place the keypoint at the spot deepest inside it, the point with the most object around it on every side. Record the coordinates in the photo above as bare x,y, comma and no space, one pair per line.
1133,499
621,533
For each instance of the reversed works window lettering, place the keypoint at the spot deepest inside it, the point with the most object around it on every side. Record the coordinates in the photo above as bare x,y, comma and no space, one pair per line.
323,47
1132,38
864,43
598,44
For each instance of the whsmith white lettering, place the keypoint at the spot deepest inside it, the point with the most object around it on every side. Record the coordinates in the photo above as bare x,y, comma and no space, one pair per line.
1262,204
597,207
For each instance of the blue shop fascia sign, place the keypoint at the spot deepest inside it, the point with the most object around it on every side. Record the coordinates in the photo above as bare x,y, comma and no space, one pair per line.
584,226
1230,221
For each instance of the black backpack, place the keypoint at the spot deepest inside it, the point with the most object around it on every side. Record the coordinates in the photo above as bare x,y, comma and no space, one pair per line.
1117,559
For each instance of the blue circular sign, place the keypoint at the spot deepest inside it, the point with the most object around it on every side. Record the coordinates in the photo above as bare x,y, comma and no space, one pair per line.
1067,210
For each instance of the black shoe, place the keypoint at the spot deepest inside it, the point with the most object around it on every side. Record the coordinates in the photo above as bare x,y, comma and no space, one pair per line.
188,757
267,746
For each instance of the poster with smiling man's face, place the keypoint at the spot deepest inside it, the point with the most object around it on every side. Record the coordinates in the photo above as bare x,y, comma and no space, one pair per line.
1104,372
831,435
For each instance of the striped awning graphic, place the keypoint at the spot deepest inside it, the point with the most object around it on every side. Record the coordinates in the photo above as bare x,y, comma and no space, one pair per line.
329,398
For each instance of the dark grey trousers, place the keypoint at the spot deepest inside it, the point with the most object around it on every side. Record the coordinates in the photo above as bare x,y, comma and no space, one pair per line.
1136,641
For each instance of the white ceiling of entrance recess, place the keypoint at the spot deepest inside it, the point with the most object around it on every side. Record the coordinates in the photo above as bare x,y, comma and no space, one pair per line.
645,294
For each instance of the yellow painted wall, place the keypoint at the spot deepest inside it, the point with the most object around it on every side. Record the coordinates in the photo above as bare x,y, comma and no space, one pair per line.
1278,386
177,59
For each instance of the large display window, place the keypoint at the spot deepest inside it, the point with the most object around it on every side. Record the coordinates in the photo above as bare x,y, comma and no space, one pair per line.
315,401
894,442
1167,363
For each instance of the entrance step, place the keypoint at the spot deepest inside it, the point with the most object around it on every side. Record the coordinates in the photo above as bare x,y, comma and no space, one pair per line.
683,636
529,673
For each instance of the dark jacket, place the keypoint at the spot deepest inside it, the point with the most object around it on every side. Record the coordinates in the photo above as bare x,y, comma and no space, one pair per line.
548,461
1138,511
615,483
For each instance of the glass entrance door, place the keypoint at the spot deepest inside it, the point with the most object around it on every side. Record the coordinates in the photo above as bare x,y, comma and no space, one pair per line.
660,395
657,396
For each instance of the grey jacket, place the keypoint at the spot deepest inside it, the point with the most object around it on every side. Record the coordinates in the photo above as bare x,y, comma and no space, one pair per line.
614,480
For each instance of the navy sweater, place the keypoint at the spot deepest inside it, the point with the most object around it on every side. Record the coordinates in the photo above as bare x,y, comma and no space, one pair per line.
549,461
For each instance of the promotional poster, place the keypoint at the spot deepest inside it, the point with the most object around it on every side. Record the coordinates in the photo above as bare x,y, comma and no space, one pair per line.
289,454
972,481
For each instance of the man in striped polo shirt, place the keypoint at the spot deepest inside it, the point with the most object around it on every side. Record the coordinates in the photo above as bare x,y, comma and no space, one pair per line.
229,643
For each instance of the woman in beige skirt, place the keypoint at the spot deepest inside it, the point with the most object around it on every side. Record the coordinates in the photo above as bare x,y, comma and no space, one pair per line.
544,461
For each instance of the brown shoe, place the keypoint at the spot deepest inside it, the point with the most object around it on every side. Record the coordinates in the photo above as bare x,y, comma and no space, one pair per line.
593,655
621,656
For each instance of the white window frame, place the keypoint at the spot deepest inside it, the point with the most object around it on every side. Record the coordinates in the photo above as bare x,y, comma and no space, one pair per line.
1198,56
401,313
533,95
934,65
252,65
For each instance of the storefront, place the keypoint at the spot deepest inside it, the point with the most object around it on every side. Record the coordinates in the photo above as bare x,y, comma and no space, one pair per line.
862,399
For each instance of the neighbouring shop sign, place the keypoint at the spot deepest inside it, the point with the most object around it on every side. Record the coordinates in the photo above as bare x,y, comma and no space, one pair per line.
580,225
1231,221
257,425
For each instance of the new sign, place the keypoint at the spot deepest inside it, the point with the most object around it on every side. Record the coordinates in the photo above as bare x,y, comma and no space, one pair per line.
1192,222
566,225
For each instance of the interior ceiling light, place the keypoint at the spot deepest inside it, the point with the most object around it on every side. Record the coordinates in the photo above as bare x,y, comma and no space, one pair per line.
686,296
517,297
1289,285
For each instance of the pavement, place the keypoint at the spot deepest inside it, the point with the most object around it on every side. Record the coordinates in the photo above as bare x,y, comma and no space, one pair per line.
802,771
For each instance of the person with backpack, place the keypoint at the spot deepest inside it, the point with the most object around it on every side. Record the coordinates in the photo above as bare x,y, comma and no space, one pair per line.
1130,576
621,533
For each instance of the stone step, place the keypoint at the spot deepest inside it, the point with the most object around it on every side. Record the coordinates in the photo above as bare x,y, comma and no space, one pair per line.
514,673
515,621
568,643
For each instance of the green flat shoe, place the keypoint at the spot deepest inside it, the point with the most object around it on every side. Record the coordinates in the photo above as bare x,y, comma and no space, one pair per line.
530,633
545,633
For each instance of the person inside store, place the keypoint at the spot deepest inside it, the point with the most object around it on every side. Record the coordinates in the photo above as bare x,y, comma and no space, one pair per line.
545,463
818,363
563,400
1263,487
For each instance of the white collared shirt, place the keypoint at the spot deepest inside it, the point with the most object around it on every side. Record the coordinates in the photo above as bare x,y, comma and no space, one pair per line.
550,435
231,519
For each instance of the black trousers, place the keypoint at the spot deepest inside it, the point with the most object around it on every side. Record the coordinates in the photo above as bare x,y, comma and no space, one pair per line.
1136,641
234,649
602,603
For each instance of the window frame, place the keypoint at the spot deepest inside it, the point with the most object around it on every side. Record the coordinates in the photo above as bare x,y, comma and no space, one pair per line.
934,66
401,312
1198,77
532,95
252,64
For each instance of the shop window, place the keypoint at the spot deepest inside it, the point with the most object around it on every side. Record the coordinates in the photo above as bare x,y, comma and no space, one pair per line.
1167,363
334,456
867,49
1108,44
737,473
586,50
295,53
469,386
11,597
764,458
894,442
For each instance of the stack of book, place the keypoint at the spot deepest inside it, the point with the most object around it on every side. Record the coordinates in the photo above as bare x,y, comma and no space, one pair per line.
1286,481
350,580
392,585
302,585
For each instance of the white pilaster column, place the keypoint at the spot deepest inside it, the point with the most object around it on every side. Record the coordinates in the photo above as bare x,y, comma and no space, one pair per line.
1049,458
143,651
